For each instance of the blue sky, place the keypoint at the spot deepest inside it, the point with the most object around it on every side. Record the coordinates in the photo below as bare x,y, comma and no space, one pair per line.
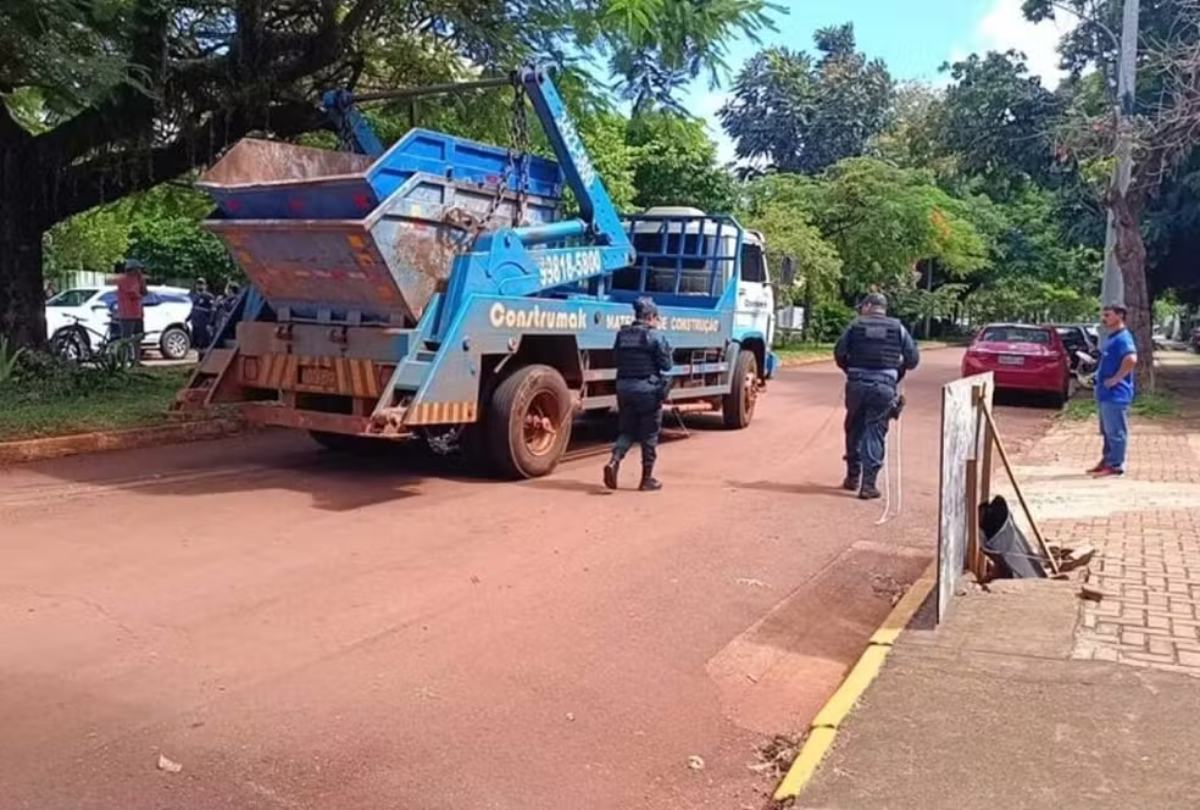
914,37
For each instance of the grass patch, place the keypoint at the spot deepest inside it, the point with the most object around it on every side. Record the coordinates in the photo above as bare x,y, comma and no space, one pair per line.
824,351
804,351
1153,405
41,403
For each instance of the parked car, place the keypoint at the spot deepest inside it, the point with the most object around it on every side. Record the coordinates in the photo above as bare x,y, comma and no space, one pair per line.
1194,339
83,315
1022,358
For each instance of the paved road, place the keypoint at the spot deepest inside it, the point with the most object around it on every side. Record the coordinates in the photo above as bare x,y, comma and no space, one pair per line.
301,631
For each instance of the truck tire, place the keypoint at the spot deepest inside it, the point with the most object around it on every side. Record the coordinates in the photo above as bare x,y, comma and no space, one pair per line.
175,343
737,407
529,422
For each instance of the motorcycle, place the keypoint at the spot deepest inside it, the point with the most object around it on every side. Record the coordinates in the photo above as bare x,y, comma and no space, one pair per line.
1085,369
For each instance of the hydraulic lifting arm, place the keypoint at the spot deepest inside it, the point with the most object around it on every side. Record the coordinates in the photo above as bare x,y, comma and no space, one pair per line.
568,252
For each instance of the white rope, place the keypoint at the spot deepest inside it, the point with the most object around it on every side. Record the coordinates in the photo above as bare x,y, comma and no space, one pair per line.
887,486
898,443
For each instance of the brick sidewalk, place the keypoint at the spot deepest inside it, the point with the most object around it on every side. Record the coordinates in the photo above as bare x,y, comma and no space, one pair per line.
1146,530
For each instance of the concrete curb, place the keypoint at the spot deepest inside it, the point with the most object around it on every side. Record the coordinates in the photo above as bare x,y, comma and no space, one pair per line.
28,450
825,725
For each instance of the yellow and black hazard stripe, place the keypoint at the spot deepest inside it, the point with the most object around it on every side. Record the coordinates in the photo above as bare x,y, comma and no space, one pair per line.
349,376
441,413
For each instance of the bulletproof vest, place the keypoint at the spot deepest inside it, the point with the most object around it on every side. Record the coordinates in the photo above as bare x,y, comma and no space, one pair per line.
875,343
635,353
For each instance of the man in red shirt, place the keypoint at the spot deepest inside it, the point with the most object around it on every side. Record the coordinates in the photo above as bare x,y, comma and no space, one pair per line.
131,287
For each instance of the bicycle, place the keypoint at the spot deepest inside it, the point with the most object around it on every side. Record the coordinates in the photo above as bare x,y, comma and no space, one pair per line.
74,344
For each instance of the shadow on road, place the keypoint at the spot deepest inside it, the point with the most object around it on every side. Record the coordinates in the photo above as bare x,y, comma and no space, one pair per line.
806,488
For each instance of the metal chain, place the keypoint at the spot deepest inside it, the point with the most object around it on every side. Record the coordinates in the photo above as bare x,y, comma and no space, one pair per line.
517,164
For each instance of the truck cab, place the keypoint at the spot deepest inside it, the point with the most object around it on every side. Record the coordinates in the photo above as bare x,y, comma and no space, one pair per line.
754,301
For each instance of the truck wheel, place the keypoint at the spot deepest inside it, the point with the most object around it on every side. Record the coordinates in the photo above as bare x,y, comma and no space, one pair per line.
175,343
529,422
737,407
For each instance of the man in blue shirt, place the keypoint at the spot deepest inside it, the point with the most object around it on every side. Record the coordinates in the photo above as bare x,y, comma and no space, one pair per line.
1114,391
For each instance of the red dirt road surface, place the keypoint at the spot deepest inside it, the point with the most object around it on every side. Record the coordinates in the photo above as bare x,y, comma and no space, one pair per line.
301,630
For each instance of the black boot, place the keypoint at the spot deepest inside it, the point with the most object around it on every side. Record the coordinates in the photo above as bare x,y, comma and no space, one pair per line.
649,482
853,476
868,492
610,472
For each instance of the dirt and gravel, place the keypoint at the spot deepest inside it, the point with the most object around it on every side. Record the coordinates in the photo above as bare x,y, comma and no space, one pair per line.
255,623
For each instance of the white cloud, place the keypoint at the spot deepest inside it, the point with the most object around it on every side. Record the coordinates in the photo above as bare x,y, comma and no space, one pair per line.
1005,27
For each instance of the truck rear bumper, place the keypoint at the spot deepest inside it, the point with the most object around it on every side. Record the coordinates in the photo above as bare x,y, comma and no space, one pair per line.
260,413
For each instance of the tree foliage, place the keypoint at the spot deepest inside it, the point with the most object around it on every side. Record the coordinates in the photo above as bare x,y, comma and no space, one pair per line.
998,121
675,163
800,114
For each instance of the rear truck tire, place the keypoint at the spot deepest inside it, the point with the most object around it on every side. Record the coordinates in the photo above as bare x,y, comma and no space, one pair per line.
737,407
528,422
175,343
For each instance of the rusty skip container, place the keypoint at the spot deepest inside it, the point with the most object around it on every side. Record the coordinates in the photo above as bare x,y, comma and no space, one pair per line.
325,234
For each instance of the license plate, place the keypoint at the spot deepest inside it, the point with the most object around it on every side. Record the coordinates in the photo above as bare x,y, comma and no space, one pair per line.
1011,360
317,377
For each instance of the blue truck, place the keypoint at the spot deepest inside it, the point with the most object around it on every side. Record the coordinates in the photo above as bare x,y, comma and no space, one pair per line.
434,289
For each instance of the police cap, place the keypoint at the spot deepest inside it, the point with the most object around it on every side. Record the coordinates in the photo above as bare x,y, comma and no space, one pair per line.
644,309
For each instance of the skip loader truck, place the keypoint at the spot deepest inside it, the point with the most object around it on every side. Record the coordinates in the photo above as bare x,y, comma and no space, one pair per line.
434,289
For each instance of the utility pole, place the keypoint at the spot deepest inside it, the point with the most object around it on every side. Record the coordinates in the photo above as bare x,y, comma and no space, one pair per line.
1112,288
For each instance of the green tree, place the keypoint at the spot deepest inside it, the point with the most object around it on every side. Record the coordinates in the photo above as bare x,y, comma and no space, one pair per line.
998,122
675,163
912,138
884,220
803,115
788,233
665,44
1166,113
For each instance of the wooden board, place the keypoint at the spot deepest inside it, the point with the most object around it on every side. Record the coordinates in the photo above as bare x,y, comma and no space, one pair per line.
961,441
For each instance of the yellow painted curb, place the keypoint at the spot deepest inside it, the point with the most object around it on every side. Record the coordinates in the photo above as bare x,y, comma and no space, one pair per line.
829,719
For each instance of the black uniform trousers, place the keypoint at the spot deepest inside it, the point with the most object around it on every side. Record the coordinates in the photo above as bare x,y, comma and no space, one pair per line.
639,418
869,406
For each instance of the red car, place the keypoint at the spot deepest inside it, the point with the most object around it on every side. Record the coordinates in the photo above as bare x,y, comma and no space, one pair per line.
1022,358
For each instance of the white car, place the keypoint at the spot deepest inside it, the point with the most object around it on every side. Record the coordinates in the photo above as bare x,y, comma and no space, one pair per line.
84,314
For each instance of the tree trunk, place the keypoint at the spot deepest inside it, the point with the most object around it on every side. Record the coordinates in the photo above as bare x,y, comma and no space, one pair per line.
1130,251
22,299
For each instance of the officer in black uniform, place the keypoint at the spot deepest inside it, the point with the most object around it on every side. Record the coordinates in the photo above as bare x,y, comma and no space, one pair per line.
200,319
643,359
875,352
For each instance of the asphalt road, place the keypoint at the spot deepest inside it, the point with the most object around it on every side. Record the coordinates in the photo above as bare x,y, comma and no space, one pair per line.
302,630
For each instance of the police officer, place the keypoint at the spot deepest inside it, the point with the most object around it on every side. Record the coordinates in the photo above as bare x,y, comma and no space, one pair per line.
201,316
875,352
643,358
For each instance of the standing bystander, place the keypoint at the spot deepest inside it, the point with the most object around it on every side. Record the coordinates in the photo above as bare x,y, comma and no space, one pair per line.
131,289
1114,391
